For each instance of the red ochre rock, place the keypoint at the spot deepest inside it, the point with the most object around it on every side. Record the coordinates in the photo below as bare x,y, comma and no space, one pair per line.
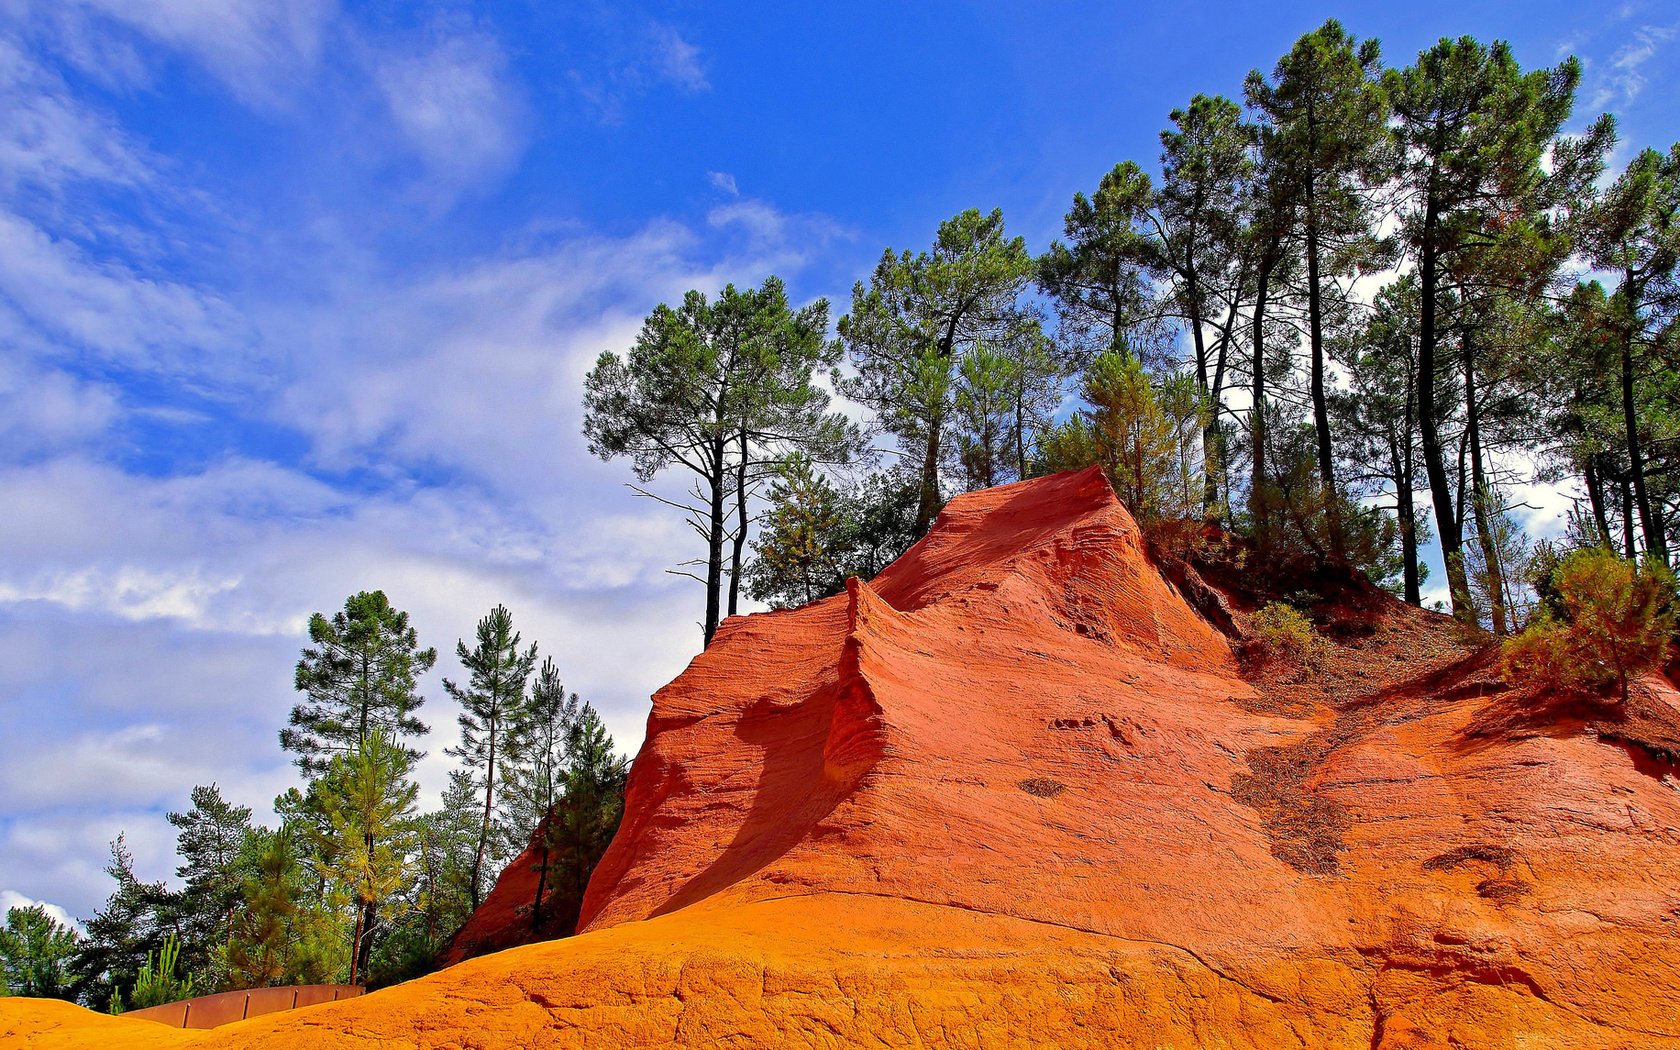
1013,792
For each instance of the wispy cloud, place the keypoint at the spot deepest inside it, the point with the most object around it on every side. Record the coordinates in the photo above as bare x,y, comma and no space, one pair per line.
722,180
259,48
454,107
1624,76
676,60
657,54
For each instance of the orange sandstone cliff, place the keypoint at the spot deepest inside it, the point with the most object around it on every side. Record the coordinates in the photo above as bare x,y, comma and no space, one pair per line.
1015,792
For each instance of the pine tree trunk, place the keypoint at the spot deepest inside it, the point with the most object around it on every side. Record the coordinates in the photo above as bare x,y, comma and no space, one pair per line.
1629,547
489,800
740,540
1595,499
542,875
1434,462
1257,413
930,478
355,945
714,540
1480,494
1321,406
1654,540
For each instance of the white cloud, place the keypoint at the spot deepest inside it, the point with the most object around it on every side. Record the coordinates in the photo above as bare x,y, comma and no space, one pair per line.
454,107
724,181
10,899
49,140
259,48
53,294
45,410
676,60
1624,76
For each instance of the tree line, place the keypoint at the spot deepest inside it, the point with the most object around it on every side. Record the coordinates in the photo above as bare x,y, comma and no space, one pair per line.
355,884
1357,308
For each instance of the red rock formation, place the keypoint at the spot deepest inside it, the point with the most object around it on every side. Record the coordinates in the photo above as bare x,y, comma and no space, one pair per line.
1015,791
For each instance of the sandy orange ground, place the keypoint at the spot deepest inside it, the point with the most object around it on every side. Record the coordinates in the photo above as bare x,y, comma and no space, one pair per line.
1013,792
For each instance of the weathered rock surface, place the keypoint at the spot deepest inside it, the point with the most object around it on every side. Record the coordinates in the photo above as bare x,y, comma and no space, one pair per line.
1014,791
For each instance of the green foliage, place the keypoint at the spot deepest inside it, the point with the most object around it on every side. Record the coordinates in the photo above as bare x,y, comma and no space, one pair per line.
1285,634
1147,441
1297,527
724,391
921,315
587,816
121,936
35,954
158,982
281,934
1618,619
815,537
359,676
367,800
210,840
1101,279
796,546
494,709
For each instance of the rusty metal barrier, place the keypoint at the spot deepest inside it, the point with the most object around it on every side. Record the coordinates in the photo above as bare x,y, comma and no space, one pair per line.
209,1011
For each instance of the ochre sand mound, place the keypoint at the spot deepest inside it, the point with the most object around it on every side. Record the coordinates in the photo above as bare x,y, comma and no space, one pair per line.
1014,792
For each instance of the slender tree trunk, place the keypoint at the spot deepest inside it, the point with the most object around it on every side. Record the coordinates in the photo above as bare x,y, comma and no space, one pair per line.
1321,406
1213,435
714,540
1481,495
1654,544
367,701
355,945
1257,413
1630,548
1434,463
542,875
365,922
740,540
929,498
1595,499
1405,482
1204,387
489,799
1021,435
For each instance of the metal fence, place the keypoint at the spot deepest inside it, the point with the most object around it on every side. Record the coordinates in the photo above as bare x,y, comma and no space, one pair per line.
208,1011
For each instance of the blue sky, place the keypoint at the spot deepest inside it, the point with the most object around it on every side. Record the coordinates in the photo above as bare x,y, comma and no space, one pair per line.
296,297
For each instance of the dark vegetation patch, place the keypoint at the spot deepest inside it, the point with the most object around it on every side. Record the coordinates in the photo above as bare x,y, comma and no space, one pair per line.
1305,830
1042,787
1500,857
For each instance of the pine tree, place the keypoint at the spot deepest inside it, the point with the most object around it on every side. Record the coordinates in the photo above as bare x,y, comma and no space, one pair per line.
1481,163
367,799
281,934
1325,113
210,839
587,817
494,709
917,319
1633,232
1377,417
1101,279
359,676
35,954
537,774
1207,185
122,935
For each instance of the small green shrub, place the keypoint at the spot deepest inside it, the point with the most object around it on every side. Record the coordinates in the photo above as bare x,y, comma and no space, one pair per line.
157,982
1618,620
1285,633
